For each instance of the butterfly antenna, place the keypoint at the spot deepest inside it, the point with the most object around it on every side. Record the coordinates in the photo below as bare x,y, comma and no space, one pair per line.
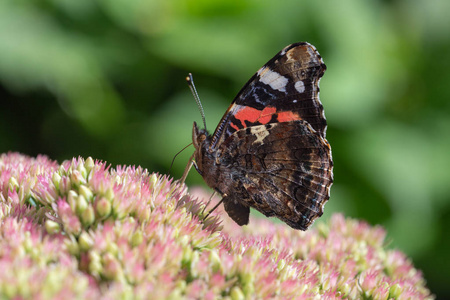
175,156
190,81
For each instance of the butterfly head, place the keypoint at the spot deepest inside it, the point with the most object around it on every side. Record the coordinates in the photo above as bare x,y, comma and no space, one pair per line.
200,140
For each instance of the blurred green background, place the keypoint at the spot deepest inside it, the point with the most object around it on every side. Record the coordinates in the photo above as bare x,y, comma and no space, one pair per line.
107,79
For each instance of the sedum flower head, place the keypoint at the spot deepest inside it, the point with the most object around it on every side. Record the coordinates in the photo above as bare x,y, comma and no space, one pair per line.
81,229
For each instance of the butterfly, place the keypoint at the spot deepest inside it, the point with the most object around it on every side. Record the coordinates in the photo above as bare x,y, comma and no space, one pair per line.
269,150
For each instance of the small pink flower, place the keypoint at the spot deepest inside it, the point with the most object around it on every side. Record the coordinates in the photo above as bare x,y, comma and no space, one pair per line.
369,281
70,221
381,292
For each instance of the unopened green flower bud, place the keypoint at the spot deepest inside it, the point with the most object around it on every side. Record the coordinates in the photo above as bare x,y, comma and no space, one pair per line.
56,179
176,293
72,247
81,204
85,241
52,227
144,214
62,170
184,240
27,243
77,178
72,199
109,194
13,184
112,248
119,212
248,280
88,216
82,170
103,207
112,269
86,192
95,264
214,259
215,239
395,291
194,261
89,164
153,180
281,264
137,238
236,293
187,255
345,289
65,185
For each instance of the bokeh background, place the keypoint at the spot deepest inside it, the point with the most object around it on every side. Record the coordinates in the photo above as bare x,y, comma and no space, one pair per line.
106,79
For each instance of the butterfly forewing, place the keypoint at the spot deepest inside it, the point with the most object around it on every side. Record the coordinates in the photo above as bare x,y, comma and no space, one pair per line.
289,82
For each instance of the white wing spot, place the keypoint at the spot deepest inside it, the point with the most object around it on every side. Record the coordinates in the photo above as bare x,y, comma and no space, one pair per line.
262,70
300,86
273,79
260,132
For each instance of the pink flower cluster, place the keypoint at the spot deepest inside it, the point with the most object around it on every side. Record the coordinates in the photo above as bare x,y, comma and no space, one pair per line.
85,230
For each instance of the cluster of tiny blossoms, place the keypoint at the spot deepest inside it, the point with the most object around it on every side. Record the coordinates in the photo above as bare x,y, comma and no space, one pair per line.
85,230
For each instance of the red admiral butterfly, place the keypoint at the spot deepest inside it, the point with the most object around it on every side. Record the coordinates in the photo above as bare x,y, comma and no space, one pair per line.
269,150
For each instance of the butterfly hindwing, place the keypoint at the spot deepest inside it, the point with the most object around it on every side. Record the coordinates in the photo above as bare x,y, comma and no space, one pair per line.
285,169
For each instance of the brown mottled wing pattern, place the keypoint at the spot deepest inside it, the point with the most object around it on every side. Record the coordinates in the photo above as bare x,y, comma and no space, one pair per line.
281,169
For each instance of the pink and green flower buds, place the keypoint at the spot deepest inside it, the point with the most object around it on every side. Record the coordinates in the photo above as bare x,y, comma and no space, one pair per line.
85,230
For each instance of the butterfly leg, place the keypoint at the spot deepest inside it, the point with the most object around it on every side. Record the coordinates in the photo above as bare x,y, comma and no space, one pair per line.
209,201
214,208
188,168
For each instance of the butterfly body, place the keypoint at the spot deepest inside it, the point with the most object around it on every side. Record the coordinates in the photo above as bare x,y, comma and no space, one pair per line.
269,150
